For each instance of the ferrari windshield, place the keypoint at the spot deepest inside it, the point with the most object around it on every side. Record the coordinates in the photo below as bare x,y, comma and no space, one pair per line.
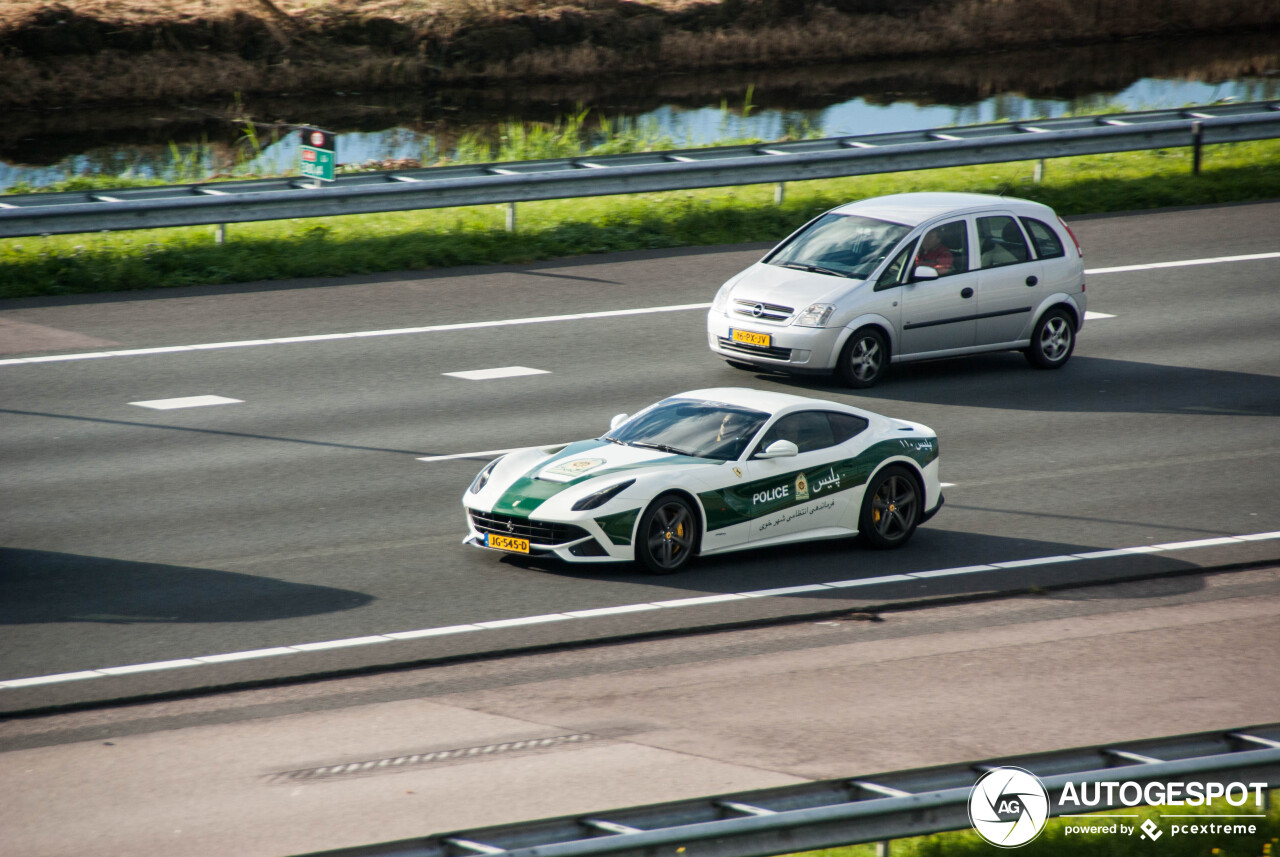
691,427
841,245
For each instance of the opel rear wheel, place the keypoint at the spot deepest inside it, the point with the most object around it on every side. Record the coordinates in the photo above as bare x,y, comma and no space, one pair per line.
668,535
890,508
864,359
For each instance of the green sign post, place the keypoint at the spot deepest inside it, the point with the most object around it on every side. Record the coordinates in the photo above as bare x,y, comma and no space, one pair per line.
318,150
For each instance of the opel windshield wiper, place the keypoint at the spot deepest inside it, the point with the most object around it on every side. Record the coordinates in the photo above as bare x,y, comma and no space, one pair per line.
814,269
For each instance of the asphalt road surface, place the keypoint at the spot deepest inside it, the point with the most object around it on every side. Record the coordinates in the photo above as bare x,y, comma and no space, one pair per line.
342,762
144,549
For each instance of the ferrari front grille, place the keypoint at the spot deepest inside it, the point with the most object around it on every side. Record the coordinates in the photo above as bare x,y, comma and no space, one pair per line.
537,532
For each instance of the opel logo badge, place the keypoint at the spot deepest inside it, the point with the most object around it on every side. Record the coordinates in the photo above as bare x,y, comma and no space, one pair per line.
757,310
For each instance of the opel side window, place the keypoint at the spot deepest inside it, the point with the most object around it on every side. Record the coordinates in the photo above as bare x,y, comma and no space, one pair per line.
1048,244
945,248
893,273
1000,242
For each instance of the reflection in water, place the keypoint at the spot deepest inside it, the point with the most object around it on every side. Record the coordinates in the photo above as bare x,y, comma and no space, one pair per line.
188,144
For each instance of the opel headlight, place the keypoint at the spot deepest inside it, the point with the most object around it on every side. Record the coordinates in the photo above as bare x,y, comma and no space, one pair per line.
722,298
482,478
815,315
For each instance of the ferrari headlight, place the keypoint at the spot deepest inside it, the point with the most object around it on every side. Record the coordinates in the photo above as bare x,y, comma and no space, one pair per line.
482,478
815,315
722,298
604,495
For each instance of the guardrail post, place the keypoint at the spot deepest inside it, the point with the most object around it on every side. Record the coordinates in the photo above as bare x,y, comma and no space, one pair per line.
882,849
1197,142
779,193
1037,174
220,234
511,217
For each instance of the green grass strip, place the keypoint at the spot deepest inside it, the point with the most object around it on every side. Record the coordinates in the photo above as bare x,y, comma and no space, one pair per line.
1056,841
367,243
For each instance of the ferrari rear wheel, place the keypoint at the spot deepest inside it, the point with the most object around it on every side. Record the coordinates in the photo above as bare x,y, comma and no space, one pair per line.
890,508
668,535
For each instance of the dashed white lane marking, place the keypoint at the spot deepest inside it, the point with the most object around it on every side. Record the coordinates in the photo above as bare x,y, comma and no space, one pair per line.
499,372
476,325
1090,315
677,603
187,402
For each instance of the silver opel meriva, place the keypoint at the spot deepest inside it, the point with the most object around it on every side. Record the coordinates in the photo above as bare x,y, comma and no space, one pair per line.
914,276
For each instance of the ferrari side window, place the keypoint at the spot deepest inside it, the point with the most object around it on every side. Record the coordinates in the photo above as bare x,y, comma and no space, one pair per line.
845,426
808,430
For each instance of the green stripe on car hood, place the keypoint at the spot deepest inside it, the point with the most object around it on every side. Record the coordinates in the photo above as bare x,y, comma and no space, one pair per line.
528,492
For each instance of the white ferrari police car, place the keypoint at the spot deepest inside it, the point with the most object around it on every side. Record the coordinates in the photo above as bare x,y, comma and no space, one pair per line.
706,472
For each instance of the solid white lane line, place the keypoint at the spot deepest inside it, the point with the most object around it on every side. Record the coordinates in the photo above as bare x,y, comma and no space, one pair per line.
1199,543
341,644
403,331
628,608
1257,537
158,665
948,572
476,325
1118,552
611,611
1026,563
244,656
433,632
525,620
499,372
868,581
1151,266
187,402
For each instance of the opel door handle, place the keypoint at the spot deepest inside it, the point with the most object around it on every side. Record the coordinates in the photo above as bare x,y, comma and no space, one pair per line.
966,292
1031,281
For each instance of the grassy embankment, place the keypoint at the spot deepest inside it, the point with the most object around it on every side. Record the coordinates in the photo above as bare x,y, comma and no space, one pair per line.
1056,842
360,244
181,51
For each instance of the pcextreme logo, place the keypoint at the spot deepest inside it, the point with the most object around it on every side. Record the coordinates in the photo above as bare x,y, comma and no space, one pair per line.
1008,807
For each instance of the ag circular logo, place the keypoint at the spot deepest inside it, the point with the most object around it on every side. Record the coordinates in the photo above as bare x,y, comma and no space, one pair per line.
1008,807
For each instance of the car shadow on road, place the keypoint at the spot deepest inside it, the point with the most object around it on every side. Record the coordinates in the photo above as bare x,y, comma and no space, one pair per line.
1085,384
836,560
47,586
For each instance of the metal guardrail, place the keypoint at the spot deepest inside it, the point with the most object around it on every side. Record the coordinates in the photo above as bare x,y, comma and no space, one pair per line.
848,811
522,181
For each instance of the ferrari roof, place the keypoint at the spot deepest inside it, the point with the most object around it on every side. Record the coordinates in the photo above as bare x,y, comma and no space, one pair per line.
760,400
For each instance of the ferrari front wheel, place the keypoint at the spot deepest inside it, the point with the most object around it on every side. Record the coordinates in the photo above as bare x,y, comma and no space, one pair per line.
890,508
668,535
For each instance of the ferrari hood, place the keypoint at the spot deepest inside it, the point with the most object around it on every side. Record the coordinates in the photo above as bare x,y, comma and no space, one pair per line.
579,468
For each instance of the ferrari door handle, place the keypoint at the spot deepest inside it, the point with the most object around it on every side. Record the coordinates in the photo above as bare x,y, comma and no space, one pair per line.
1031,281
966,292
